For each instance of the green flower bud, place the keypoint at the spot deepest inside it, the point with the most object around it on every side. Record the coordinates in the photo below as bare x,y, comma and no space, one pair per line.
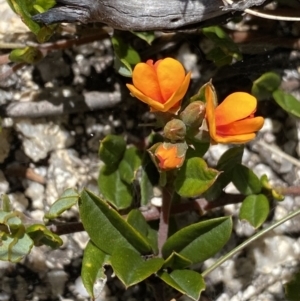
193,114
175,130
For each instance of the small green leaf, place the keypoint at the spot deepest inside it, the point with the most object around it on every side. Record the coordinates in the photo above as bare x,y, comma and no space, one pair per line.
113,188
292,292
265,85
14,248
131,268
194,177
28,55
42,236
255,209
226,164
187,282
92,270
199,241
149,179
147,36
176,261
106,228
14,242
288,102
125,53
198,149
68,199
112,149
225,49
129,164
245,180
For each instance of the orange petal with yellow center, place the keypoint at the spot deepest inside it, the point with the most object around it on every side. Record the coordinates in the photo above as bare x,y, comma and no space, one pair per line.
236,106
170,76
144,78
246,126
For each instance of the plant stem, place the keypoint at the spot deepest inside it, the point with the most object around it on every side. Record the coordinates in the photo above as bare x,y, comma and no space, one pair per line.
164,219
248,241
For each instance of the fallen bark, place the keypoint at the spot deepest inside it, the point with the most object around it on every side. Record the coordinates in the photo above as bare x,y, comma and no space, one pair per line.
89,101
139,14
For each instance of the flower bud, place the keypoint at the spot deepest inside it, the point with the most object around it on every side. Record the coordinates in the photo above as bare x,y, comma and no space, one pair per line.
170,155
193,114
175,130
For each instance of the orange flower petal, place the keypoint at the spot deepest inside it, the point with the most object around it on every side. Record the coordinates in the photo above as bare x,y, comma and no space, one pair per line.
236,139
168,158
170,76
157,106
246,126
144,78
210,112
177,96
236,106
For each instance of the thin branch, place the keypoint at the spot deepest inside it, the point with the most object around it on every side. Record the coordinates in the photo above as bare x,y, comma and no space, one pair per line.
249,241
279,152
164,218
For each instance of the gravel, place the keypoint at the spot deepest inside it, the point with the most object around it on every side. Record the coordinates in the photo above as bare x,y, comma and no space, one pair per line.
62,150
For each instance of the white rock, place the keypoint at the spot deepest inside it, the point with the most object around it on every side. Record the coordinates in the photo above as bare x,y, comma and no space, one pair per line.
57,280
4,185
42,136
271,251
35,191
19,201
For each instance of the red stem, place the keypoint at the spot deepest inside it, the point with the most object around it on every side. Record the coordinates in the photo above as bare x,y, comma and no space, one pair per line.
164,215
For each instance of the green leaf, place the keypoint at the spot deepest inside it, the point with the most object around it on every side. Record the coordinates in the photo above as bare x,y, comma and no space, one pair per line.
245,180
136,219
131,268
225,49
265,85
29,55
194,177
255,209
129,164
288,102
292,292
14,247
68,199
176,261
199,241
106,228
187,282
198,149
92,269
112,149
113,188
226,164
147,36
127,56
42,236
149,179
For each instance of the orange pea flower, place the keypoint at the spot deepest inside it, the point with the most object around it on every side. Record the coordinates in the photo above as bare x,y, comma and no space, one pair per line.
233,120
168,157
161,85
